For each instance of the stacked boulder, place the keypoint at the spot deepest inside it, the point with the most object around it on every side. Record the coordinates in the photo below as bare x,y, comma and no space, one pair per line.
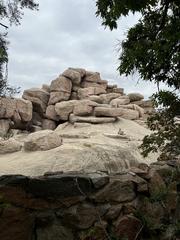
76,95
14,113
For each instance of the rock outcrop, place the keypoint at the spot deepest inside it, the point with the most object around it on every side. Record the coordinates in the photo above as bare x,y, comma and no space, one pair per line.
75,94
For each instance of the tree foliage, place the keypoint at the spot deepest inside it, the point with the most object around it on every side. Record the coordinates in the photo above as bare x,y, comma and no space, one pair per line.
11,12
152,48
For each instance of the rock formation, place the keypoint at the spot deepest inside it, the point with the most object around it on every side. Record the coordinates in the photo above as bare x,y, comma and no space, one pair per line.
76,95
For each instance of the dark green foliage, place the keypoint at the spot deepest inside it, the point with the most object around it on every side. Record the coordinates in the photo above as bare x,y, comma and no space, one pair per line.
11,11
152,48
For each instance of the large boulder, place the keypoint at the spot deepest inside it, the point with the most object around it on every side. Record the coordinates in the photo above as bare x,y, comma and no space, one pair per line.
82,71
84,108
60,90
42,141
7,107
9,146
135,97
61,84
92,77
56,97
25,109
38,97
108,112
64,109
73,75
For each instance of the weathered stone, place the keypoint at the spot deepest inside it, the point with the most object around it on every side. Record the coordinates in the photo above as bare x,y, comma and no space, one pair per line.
134,107
61,186
84,107
117,102
114,212
36,93
135,97
86,84
42,141
51,113
92,77
61,84
16,224
48,124
82,110
4,127
95,120
130,114
108,112
95,98
156,183
56,97
54,231
128,227
10,146
80,70
64,109
24,108
116,191
7,107
73,75
86,92
38,97
106,98
99,179
81,216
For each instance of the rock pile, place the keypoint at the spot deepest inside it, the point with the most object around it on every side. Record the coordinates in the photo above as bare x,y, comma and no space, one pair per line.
76,95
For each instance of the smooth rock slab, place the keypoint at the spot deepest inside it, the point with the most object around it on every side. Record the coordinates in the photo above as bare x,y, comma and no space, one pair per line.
95,120
42,141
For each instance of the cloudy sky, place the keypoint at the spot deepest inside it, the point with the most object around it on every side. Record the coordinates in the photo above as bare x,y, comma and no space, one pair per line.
66,34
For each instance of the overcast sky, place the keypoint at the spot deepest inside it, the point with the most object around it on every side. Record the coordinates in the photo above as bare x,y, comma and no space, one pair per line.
62,34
